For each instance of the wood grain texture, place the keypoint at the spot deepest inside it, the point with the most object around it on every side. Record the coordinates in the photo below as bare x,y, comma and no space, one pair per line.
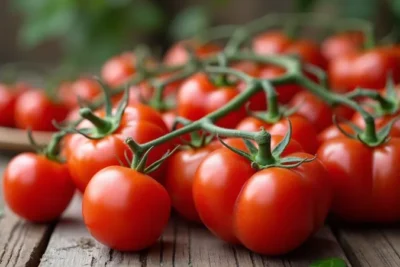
182,244
371,246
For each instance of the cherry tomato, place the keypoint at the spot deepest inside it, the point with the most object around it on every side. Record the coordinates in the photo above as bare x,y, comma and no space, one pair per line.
367,69
35,111
333,132
86,157
7,105
198,96
36,188
342,44
365,180
124,209
169,118
302,130
230,197
318,112
85,88
275,42
177,54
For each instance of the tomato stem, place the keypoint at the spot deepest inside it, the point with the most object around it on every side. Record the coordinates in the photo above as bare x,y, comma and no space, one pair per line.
102,125
264,155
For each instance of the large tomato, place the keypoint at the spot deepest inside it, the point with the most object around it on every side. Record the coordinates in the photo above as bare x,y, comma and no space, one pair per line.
271,211
342,44
36,188
177,54
34,110
365,180
274,42
302,130
85,157
125,209
85,88
198,96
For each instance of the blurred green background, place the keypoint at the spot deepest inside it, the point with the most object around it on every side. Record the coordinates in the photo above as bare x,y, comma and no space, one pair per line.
84,33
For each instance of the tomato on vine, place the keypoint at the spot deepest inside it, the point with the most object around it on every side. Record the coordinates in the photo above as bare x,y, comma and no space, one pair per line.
342,44
84,88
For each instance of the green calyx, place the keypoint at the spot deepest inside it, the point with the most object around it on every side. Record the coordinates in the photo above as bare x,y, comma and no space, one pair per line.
198,139
263,157
141,155
50,151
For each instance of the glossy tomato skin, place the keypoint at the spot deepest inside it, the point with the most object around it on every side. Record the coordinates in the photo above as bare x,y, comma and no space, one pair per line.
180,172
7,106
85,157
235,207
318,112
177,54
124,209
198,97
85,88
35,111
36,188
342,44
274,42
365,180
302,130
169,118
333,132
119,69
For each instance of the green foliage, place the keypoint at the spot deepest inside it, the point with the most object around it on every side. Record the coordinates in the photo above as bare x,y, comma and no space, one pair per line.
333,262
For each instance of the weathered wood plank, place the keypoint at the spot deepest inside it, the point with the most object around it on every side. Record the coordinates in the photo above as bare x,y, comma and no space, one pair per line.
371,246
21,243
183,244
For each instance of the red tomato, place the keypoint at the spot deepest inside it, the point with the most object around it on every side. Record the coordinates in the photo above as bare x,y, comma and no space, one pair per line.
275,42
380,122
169,118
365,180
333,132
318,112
177,54
7,105
36,188
367,69
124,209
302,130
198,96
342,44
35,111
89,156
85,88
257,208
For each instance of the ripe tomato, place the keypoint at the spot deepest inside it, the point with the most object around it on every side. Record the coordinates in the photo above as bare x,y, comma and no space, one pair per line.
342,44
333,132
367,69
85,157
380,122
365,180
85,88
124,209
235,207
36,188
198,96
302,130
317,111
274,42
177,54
169,118
7,105
35,111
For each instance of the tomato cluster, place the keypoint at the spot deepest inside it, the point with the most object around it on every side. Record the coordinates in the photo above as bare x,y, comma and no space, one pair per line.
269,193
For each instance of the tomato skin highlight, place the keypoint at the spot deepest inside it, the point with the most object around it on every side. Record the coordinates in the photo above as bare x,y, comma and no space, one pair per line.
124,209
35,111
365,180
256,209
36,188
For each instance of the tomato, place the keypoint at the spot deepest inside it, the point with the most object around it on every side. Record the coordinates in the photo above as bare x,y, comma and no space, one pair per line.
177,54
365,180
318,112
7,106
333,132
380,122
271,211
169,118
342,44
198,96
35,111
367,69
86,157
85,88
125,209
274,42
302,130
36,188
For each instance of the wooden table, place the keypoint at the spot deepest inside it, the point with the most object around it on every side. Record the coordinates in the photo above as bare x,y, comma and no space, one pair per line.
67,243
